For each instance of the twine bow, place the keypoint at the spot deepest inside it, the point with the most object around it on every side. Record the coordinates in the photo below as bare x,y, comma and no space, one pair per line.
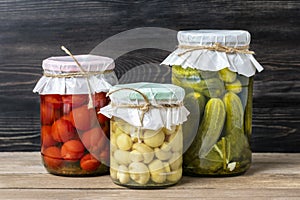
216,47
144,108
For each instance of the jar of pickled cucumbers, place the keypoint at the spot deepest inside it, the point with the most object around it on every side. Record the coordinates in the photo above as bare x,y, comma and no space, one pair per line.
74,138
146,134
216,69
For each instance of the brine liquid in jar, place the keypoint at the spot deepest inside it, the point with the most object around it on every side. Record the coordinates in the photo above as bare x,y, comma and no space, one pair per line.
74,136
219,126
216,69
154,161
146,134
74,139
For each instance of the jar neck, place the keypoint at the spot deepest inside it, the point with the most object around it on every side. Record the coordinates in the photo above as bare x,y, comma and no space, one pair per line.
63,74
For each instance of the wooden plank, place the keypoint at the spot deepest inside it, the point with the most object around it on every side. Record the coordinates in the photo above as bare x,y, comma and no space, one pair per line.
253,180
24,170
116,194
270,163
32,30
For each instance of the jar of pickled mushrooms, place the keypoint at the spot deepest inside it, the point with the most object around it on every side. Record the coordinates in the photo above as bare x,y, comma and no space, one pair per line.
146,134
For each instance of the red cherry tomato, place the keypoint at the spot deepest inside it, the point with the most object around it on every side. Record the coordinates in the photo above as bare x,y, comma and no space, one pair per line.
102,118
68,118
72,150
63,130
46,137
48,113
100,99
89,163
83,118
66,108
75,100
52,157
53,99
94,140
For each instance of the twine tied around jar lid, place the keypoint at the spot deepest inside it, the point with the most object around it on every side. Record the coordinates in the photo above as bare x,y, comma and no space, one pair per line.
82,73
216,47
76,74
144,108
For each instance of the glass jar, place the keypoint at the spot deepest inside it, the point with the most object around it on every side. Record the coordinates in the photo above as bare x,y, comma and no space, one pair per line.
146,134
216,70
74,138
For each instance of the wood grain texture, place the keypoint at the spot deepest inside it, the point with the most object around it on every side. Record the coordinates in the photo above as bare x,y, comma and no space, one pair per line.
271,176
32,30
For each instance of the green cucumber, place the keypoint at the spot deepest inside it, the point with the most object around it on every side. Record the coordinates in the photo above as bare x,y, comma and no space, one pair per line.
234,113
195,103
209,131
212,125
227,76
248,110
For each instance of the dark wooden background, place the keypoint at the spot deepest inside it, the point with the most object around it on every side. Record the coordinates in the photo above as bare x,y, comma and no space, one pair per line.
32,30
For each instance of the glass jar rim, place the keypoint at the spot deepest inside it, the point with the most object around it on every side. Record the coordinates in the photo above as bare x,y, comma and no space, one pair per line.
209,37
90,63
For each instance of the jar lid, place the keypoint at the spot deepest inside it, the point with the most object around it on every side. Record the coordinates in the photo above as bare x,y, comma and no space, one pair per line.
163,105
88,63
214,50
101,78
230,38
153,91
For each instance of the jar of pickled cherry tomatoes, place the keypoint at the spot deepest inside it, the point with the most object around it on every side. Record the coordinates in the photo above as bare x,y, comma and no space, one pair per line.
146,134
74,137
216,69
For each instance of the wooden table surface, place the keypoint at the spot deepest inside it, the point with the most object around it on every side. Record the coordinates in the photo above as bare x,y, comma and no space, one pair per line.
271,176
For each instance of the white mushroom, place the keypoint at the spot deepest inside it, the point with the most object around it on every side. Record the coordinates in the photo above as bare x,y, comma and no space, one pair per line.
167,167
168,131
124,142
146,151
154,138
166,146
175,176
136,156
118,131
161,154
176,141
175,161
155,165
139,172
122,157
157,171
123,174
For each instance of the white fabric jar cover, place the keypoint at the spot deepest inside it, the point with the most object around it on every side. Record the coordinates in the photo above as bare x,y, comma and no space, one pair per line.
100,79
156,117
212,60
